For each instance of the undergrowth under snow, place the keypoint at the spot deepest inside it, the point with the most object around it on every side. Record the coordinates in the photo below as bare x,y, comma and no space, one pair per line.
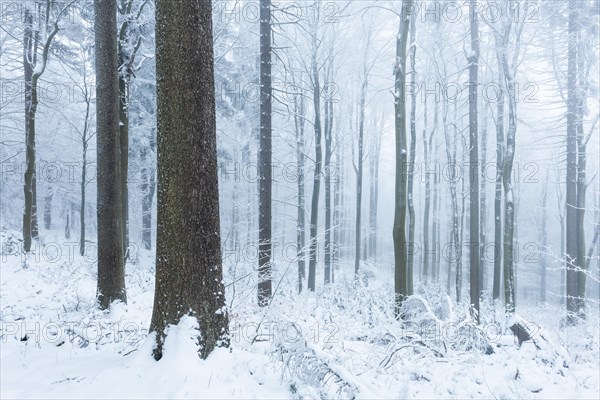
340,342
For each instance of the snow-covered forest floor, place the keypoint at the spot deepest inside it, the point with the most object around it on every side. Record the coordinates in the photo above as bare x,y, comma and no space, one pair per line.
340,342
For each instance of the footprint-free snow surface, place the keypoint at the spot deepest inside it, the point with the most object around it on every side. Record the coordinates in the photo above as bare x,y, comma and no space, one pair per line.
340,342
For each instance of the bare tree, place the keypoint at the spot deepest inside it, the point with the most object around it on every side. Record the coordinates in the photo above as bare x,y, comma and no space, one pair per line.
314,210
33,71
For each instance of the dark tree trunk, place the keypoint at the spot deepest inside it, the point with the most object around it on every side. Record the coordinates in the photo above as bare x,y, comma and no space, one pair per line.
265,248
474,252
111,270
401,284
189,275
29,49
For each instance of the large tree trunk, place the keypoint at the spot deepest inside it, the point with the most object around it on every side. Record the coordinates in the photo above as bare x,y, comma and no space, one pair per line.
265,248
189,275
111,269
401,283
474,252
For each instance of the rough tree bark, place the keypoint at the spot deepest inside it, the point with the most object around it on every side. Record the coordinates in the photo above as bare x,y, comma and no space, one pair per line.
189,275
111,269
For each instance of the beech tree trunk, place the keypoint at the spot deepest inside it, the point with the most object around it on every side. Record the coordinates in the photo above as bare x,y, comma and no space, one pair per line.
299,115
314,209
359,176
